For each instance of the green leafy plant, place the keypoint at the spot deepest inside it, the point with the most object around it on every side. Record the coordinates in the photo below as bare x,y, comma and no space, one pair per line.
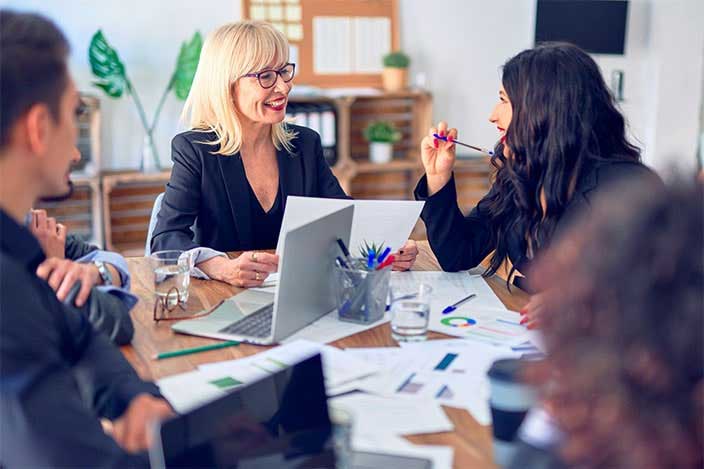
396,60
112,77
364,250
382,132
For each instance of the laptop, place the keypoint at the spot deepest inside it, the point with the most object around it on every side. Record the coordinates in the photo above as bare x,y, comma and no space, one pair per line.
303,294
280,421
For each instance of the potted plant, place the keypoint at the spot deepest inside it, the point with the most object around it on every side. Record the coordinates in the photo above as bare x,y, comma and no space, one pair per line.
112,78
381,136
395,73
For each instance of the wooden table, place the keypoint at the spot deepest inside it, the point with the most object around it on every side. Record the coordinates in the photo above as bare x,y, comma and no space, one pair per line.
471,441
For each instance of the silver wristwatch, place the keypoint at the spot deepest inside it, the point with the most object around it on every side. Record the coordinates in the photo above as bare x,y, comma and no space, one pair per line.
104,272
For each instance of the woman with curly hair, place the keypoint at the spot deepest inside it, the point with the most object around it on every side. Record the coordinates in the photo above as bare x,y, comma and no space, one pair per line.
561,139
624,331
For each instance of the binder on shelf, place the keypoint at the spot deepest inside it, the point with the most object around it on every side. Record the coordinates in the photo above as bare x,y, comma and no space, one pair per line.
322,118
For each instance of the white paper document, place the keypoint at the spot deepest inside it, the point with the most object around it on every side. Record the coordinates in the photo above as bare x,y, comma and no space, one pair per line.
483,318
450,372
338,367
329,329
380,415
374,221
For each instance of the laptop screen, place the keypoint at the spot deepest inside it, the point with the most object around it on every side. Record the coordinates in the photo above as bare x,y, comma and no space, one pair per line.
280,421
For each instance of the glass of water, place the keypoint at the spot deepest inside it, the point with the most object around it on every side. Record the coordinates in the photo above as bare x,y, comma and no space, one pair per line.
171,276
410,313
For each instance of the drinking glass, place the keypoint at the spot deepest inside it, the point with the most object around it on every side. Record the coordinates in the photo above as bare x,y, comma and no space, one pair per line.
410,313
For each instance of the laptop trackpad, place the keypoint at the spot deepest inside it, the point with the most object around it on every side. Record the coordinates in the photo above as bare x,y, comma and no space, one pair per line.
244,304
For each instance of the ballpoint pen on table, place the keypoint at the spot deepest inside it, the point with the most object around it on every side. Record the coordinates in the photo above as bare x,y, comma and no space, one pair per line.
483,150
453,307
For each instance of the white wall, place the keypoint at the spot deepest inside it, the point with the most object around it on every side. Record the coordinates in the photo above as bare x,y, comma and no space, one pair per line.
458,45
148,35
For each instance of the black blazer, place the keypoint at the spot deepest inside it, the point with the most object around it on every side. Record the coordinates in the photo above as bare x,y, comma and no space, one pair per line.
212,191
461,242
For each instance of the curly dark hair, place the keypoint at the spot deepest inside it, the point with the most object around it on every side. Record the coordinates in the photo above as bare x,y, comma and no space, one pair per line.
564,120
624,292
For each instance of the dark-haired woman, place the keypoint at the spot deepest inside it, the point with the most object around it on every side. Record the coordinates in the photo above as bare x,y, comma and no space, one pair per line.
561,139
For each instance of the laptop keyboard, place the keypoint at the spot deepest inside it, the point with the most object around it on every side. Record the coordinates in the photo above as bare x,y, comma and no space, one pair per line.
257,324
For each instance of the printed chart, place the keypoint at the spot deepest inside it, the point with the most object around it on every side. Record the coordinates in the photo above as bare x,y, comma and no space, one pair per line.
494,326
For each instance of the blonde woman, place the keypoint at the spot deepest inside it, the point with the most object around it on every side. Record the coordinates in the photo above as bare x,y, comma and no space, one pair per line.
233,171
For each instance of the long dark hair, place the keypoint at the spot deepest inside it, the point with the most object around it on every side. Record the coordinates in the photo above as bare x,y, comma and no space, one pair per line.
564,120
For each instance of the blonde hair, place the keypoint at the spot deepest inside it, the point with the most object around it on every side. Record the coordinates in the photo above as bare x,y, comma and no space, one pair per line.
229,52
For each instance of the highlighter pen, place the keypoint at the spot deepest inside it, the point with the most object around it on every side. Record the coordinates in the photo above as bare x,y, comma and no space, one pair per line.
483,150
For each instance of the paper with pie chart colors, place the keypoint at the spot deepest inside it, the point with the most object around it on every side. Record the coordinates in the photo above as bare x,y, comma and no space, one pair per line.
494,326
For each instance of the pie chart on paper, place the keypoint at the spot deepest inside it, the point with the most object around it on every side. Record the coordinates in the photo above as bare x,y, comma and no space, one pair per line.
458,321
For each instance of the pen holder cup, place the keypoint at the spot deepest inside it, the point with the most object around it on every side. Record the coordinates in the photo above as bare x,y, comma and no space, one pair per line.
361,294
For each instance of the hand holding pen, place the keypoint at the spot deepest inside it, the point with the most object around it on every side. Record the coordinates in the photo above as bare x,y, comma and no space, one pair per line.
438,155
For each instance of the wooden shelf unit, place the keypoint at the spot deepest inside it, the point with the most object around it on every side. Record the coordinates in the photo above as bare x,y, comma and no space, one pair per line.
411,113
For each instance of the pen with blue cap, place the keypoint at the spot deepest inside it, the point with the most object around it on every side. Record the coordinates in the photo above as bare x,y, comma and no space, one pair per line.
453,307
452,140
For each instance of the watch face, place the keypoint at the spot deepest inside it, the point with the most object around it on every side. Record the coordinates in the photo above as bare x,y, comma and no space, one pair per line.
104,272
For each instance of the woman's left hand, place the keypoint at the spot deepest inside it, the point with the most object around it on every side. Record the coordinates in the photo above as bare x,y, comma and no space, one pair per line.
532,312
406,256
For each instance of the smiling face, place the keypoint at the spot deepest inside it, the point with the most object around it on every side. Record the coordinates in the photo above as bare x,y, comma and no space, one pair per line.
502,114
260,105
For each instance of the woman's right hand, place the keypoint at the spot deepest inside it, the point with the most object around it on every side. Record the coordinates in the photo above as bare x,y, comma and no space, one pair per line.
248,270
438,156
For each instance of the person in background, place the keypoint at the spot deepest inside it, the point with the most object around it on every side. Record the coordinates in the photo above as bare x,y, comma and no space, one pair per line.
561,140
239,162
58,376
623,324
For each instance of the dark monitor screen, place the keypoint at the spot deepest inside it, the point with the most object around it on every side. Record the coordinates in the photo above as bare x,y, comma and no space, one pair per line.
280,421
597,26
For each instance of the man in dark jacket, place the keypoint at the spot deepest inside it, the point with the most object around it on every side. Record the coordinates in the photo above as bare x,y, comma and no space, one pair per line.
58,376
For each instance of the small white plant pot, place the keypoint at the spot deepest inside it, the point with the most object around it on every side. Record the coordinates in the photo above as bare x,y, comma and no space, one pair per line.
380,152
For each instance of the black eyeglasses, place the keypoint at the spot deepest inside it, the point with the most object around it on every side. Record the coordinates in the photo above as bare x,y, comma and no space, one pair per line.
164,307
267,78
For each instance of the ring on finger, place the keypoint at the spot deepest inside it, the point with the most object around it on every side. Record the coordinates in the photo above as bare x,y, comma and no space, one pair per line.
257,277
254,256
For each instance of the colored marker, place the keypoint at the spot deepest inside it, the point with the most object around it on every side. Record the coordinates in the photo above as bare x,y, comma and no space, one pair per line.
453,307
389,260
483,150
370,260
383,255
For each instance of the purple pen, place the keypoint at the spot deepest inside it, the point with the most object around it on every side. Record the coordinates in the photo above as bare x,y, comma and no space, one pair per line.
483,150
